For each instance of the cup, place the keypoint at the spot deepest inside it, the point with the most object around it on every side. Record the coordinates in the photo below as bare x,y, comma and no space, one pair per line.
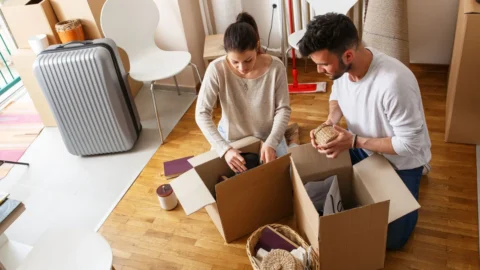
38,43
166,197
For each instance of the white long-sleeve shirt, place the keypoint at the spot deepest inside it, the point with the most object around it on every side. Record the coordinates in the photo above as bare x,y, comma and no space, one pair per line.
257,107
386,102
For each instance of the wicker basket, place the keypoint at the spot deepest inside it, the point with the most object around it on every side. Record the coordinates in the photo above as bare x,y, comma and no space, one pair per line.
285,231
325,134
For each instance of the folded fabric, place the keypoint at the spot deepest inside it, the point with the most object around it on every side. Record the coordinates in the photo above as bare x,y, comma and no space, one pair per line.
325,196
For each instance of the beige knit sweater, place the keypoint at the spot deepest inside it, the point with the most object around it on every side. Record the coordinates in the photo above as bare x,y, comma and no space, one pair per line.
257,107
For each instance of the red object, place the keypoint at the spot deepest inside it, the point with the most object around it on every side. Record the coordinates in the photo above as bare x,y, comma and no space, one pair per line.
295,87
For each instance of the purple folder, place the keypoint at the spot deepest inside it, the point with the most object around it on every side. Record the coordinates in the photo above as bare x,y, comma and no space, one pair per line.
271,240
176,167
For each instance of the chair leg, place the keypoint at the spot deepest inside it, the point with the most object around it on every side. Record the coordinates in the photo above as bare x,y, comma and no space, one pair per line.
198,73
156,111
176,83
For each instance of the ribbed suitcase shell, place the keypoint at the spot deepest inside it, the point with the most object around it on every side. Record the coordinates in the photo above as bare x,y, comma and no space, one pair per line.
87,89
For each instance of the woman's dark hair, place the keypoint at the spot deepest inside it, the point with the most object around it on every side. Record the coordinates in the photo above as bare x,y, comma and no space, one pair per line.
332,31
241,35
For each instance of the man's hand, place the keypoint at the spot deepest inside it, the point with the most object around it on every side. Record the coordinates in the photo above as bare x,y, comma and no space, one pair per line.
267,154
312,134
235,161
342,143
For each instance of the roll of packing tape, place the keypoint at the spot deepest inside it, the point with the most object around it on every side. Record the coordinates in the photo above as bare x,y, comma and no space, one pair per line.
166,196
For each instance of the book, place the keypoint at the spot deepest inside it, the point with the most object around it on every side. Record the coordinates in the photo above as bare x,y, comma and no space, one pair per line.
7,208
271,239
3,196
174,168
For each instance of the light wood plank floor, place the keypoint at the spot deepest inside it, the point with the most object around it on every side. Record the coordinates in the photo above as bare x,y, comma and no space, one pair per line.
145,237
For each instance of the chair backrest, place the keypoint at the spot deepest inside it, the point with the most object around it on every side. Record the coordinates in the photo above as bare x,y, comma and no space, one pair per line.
324,6
131,24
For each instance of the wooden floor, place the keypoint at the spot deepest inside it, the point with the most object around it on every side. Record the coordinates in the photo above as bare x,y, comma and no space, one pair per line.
145,237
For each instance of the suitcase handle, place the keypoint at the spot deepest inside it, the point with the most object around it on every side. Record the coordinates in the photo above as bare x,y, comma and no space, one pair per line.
75,43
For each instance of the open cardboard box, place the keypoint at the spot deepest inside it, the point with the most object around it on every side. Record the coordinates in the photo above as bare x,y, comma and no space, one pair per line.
243,203
373,194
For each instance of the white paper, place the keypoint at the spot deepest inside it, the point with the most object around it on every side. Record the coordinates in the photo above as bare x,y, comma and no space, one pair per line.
333,202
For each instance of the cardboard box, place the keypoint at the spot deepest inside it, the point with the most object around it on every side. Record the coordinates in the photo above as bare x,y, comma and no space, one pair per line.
23,61
27,18
354,238
243,203
463,94
87,11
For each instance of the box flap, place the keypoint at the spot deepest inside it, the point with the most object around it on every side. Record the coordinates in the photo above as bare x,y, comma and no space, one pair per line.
306,215
471,6
344,237
313,166
383,183
191,192
14,3
255,198
207,156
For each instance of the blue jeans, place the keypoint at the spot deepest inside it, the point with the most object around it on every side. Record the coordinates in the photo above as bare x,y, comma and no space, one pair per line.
400,230
280,150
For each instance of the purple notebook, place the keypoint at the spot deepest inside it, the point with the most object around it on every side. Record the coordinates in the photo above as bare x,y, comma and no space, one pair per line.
176,167
271,240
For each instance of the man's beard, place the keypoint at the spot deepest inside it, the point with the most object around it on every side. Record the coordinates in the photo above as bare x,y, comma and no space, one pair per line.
341,66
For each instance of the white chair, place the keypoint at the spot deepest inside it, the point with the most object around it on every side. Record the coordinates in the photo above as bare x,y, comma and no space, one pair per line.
132,24
320,7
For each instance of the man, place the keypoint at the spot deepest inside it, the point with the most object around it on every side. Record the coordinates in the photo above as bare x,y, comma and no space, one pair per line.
380,100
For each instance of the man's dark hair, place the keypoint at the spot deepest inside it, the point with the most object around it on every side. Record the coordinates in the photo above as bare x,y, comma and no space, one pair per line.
332,31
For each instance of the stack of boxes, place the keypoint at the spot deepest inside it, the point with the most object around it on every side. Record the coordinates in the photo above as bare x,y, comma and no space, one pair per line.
26,18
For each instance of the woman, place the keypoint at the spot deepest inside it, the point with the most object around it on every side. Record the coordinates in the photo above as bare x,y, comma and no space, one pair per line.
253,91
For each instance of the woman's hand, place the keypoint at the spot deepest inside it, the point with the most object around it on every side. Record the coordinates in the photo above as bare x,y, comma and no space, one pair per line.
267,154
235,161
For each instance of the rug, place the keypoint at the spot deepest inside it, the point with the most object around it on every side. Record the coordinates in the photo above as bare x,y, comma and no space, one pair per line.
20,124
63,190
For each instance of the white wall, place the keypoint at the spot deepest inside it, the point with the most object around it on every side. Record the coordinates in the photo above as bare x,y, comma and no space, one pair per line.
431,27
261,10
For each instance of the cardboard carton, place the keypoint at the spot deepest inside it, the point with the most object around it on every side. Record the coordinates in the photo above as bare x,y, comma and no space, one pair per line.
463,94
23,60
373,196
27,18
87,11
243,203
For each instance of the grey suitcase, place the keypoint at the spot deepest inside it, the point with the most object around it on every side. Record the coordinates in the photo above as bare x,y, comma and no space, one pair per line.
87,89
